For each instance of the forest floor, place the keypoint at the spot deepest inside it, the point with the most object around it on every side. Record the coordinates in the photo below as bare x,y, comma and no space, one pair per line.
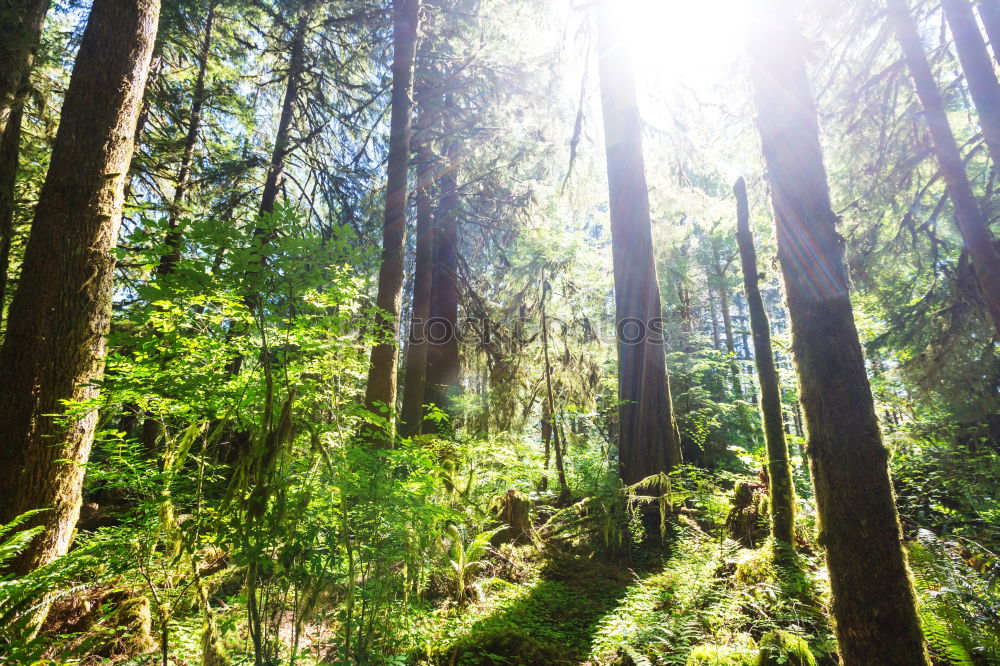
581,592
694,597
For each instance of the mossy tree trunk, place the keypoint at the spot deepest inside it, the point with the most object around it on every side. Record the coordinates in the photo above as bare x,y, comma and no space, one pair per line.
648,441
779,471
873,603
55,346
968,215
380,392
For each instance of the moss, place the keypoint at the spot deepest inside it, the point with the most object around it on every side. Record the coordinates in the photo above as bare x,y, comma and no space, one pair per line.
747,519
781,648
722,655
756,566
504,645
135,618
213,653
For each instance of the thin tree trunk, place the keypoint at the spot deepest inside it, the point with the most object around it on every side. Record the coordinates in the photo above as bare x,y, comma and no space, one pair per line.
55,346
968,215
649,442
546,427
10,147
874,606
745,325
443,361
21,29
380,394
551,407
174,237
989,12
978,69
279,155
414,389
714,311
727,326
779,472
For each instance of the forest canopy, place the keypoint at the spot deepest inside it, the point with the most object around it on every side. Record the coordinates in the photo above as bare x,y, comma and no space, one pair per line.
454,332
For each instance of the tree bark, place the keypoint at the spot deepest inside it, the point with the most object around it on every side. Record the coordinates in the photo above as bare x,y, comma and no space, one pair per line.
989,12
978,69
968,216
779,472
174,237
380,393
20,31
443,362
648,439
55,345
873,601
414,389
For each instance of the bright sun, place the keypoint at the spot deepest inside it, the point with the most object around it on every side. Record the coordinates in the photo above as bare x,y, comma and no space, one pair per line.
683,40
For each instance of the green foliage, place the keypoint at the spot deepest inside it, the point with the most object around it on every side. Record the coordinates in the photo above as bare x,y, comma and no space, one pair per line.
959,599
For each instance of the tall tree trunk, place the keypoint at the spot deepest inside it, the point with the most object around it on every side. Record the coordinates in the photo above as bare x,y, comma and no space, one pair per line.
55,346
779,472
380,393
873,601
414,389
174,236
648,441
968,216
20,31
978,69
989,12
443,362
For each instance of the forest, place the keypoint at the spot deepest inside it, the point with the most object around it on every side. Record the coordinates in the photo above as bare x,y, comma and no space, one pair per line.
472,332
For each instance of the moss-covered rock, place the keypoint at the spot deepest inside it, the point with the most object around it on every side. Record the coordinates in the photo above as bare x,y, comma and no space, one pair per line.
781,648
722,655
